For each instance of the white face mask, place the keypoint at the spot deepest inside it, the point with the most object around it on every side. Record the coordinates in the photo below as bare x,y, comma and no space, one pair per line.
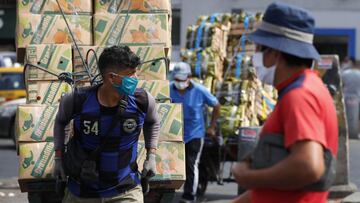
181,85
265,75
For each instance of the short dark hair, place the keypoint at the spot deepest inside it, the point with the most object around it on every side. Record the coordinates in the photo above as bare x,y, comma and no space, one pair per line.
117,57
292,60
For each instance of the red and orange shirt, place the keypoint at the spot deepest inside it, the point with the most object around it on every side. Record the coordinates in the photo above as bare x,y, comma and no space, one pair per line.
305,111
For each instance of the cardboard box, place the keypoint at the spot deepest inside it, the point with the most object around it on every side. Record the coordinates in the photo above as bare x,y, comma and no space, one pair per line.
138,6
171,122
52,29
148,71
156,70
45,92
159,89
140,29
35,122
54,58
170,164
36,160
51,6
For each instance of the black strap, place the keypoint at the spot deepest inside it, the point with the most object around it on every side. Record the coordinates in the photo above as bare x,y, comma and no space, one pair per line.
119,113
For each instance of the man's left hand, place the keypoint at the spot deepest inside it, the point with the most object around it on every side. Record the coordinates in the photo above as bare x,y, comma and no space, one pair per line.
239,170
149,169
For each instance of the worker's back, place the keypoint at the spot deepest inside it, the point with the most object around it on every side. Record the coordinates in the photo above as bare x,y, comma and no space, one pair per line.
351,81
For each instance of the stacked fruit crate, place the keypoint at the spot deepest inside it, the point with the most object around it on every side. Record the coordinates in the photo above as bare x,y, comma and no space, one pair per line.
206,48
220,55
46,44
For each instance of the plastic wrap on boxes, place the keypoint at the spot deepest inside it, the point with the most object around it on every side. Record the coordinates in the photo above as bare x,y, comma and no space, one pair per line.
228,93
230,120
204,63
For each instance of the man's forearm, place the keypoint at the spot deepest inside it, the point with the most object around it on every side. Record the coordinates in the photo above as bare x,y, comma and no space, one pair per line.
294,172
59,135
215,115
151,135
62,119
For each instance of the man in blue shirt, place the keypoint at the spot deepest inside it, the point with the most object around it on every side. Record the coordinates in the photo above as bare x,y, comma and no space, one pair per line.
193,97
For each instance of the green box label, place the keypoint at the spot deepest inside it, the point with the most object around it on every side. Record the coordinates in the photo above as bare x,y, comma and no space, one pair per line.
45,24
175,127
50,95
100,26
44,122
43,161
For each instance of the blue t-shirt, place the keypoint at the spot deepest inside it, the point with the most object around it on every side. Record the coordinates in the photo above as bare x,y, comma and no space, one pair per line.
193,102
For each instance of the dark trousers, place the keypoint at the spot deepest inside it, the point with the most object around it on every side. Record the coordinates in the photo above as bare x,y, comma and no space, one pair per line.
193,151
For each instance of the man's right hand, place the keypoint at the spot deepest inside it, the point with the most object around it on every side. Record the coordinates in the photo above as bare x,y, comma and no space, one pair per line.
59,169
211,133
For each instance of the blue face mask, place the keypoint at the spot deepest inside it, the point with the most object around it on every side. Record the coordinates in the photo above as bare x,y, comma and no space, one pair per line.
127,86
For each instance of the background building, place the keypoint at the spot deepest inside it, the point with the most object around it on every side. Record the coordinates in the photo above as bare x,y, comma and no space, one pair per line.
7,25
337,21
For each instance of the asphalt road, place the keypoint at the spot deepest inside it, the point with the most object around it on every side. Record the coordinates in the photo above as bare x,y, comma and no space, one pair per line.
9,192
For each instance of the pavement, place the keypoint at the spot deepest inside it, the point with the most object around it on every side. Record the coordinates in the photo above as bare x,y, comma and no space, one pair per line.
10,193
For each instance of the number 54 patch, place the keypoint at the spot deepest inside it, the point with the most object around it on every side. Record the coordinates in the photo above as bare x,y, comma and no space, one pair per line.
90,127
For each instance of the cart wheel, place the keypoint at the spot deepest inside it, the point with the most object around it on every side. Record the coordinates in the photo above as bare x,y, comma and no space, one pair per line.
203,181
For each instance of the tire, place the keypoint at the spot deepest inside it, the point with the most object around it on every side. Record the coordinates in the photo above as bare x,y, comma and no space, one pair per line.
203,181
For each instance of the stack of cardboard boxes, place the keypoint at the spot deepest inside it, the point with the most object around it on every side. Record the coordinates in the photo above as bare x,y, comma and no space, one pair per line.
220,55
41,22
170,158
35,120
205,49
44,42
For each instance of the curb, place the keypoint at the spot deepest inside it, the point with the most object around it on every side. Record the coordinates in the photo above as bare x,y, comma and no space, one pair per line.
11,183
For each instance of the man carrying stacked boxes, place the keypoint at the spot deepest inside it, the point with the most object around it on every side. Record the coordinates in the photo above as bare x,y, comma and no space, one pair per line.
108,119
147,31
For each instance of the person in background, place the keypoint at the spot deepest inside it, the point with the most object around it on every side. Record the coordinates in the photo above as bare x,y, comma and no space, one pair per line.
298,143
348,63
350,75
193,97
